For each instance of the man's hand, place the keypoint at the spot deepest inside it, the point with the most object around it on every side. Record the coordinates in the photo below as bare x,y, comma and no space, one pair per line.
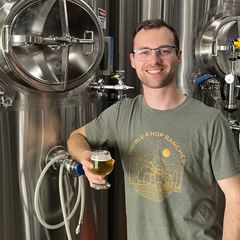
93,179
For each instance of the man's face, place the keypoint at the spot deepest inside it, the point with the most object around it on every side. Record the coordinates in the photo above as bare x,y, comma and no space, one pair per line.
155,70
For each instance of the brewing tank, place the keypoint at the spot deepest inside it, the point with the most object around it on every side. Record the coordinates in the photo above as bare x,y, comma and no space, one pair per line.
50,51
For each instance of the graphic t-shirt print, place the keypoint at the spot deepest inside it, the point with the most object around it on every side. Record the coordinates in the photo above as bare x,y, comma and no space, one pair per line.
156,163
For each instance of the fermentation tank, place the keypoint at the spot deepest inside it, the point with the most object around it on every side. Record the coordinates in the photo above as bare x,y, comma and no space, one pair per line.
52,69
50,53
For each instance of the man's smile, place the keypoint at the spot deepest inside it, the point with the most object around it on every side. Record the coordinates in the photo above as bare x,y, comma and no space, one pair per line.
154,70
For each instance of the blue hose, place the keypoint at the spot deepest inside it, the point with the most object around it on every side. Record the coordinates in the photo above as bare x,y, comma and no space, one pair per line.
199,81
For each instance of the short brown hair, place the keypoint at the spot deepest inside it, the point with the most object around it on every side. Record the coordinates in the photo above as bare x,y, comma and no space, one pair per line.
157,23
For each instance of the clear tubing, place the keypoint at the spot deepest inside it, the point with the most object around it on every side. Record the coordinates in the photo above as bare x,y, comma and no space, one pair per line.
60,184
81,182
36,197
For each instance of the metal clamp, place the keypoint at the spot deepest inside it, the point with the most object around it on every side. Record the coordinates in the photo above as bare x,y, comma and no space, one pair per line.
5,100
234,124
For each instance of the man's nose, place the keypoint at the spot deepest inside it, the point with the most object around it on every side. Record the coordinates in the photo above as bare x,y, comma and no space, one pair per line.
155,56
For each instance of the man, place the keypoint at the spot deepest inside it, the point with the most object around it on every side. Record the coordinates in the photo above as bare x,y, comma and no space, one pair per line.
174,149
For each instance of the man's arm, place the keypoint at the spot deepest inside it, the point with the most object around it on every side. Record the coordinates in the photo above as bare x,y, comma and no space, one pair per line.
80,150
231,223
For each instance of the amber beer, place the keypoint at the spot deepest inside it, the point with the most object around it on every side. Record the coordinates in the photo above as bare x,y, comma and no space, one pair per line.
102,165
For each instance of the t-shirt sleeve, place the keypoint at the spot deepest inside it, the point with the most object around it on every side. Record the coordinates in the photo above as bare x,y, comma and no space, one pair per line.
224,152
102,130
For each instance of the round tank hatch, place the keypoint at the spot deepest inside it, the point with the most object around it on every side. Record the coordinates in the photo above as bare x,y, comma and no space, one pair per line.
52,45
214,44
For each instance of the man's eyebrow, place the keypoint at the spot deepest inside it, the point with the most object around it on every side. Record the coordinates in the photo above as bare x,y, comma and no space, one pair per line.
165,45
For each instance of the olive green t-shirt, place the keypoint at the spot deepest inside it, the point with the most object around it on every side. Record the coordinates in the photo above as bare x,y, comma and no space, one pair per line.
171,161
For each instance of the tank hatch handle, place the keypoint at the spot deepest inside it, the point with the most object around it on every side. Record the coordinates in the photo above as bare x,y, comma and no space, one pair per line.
20,40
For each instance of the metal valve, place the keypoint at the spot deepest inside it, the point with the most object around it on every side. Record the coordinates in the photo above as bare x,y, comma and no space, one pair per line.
60,154
234,124
119,87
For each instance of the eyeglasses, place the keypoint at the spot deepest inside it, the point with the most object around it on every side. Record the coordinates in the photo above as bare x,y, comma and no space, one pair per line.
163,51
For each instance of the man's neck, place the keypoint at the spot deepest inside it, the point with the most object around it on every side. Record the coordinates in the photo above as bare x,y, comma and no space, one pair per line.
163,98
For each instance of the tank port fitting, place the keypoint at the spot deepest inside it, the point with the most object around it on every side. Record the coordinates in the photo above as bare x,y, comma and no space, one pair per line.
234,124
102,87
119,87
63,157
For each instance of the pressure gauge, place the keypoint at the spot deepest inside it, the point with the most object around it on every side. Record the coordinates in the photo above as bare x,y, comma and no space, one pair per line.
229,78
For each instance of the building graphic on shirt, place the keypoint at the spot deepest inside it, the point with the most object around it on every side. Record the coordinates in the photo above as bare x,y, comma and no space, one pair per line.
156,163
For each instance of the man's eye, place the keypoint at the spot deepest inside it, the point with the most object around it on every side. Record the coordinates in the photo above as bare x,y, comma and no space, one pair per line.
145,52
165,51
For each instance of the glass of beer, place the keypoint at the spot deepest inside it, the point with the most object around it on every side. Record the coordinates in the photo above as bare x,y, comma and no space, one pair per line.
102,165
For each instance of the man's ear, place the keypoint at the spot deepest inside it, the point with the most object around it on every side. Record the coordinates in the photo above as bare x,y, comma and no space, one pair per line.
132,60
179,56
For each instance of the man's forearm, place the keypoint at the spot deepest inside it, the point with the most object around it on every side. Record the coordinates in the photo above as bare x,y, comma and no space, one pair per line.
77,144
231,225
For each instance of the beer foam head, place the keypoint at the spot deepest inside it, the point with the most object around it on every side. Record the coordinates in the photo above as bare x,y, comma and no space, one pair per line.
101,155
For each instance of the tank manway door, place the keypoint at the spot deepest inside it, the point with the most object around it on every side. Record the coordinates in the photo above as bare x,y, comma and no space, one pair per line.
214,46
52,45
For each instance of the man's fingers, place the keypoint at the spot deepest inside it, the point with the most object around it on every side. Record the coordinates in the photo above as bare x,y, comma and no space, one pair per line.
95,179
86,164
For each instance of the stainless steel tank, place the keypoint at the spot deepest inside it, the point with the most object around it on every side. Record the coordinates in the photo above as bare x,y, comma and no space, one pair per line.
49,52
